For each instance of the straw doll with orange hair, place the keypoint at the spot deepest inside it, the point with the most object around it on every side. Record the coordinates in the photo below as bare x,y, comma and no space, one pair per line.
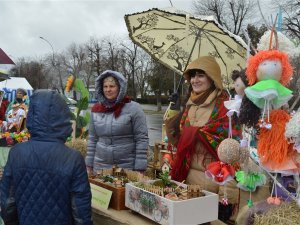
269,72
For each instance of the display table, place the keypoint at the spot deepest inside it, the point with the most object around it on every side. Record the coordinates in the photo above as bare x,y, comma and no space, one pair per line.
119,217
125,217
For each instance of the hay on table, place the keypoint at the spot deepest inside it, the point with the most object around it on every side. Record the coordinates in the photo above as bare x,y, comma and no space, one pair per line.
288,213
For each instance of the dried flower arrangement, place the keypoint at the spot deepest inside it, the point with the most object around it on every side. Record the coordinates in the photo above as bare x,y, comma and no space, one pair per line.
79,145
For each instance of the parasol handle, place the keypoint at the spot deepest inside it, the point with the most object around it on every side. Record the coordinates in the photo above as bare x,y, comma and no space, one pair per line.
179,84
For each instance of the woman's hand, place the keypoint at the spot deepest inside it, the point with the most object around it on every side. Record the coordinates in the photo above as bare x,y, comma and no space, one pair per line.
174,99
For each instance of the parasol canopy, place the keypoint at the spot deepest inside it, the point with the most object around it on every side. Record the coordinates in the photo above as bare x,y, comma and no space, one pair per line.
176,38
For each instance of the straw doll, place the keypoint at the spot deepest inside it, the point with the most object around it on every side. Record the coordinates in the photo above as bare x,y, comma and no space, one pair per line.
269,72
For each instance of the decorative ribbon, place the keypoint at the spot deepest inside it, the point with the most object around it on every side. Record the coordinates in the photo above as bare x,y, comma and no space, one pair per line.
249,181
267,124
220,172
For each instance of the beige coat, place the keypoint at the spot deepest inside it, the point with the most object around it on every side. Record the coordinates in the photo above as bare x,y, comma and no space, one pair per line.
198,116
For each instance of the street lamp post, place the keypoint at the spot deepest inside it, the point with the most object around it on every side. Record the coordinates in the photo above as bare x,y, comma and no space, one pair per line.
53,62
44,39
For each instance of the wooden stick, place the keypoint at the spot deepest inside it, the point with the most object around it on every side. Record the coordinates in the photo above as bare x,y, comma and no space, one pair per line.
276,181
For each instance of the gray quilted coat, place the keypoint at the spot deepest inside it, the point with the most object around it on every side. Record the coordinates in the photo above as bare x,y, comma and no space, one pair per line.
122,140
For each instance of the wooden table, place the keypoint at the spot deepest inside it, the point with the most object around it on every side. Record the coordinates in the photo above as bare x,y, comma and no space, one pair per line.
119,217
126,217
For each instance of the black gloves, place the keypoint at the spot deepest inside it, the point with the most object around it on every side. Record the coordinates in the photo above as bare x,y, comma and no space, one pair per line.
174,99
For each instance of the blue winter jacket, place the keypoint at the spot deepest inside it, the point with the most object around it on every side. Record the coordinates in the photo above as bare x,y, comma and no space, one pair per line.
47,179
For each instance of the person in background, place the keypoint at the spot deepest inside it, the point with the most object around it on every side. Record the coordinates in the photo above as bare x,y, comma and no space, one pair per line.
3,105
118,133
44,181
14,118
21,98
199,128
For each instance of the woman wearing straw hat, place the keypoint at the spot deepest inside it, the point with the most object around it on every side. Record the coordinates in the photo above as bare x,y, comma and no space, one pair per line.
198,129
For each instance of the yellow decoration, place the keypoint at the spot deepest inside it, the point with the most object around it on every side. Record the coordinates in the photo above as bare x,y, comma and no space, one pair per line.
69,83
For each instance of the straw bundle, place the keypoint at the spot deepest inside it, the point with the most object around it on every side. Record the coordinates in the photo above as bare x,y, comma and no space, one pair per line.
79,145
286,213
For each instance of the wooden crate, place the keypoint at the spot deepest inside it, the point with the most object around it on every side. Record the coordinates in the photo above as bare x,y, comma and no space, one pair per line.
117,200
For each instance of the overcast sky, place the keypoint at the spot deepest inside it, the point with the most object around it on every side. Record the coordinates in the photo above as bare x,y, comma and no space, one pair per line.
63,22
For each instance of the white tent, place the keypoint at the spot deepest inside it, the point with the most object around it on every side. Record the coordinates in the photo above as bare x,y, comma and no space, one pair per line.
10,86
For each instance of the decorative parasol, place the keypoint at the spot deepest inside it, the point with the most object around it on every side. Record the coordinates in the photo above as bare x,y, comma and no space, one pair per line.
176,38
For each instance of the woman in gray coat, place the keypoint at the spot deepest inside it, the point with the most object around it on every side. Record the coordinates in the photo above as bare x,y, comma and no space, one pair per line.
118,131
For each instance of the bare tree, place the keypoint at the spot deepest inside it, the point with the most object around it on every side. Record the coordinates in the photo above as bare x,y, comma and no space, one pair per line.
111,53
138,68
232,14
75,60
130,55
34,71
142,76
58,70
161,81
210,7
95,48
53,70
291,22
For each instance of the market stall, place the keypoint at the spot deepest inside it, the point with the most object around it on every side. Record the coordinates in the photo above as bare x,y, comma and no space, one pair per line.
11,85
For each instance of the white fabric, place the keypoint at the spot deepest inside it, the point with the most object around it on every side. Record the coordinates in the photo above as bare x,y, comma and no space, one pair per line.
11,85
15,116
233,105
15,83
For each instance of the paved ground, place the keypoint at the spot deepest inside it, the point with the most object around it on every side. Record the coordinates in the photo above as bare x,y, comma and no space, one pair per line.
154,122
153,108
